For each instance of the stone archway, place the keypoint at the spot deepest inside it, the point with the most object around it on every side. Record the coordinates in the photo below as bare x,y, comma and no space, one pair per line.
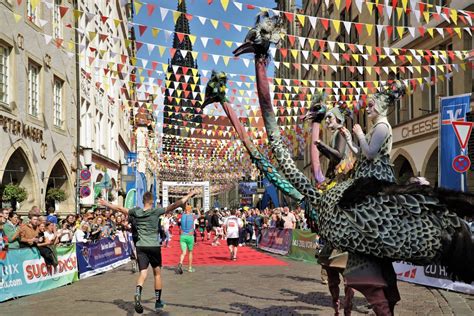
431,169
19,170
403,169
59,178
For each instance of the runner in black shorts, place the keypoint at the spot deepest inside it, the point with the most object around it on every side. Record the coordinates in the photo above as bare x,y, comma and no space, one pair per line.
202,225
147,244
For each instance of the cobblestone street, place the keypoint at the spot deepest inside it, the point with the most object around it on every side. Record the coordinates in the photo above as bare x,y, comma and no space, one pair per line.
213,290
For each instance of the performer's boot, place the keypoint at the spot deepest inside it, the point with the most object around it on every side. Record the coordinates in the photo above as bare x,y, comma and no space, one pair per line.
376,298
333,284
348,296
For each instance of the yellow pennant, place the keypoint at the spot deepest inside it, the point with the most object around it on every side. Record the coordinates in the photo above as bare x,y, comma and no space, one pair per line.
301,18
426,15
430,31
370,7
176,15
338,4
294,53
214,23
404,5
192,38
161,49
342,46
369,28
226,60
400,31
454,16
458,31
225,4
356,57
17,17
228,43
117,22
154,32
77,14
138,6
418,69
399,13
311,42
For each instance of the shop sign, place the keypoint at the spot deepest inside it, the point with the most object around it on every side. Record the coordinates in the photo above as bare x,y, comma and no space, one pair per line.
18,128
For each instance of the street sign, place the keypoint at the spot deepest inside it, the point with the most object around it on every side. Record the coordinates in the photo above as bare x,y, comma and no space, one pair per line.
461,163
85,175
463,132
85,192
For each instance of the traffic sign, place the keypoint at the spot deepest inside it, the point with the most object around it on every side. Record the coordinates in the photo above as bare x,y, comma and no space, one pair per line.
461,163
463,132
85,192
85,175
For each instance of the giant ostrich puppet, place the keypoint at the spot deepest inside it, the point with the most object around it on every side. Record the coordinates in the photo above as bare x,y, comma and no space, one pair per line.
411,223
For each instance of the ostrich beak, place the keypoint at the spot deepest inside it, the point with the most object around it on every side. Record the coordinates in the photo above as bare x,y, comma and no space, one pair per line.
245,48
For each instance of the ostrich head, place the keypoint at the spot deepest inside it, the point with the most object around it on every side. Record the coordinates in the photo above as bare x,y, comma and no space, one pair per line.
318,108
215,88
394,90
268,29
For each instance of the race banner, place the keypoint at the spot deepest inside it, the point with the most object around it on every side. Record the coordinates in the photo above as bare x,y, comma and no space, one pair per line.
276,240
432,275
453,159
104,255
24,272
304,245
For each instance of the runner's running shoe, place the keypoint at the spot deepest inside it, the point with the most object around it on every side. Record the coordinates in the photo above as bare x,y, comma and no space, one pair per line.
138,305
159,305
179,269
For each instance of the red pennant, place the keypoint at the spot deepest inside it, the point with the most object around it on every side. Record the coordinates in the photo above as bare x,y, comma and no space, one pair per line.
185,70
289,16
325,23
348,4
226,25
204,56
188,16
102,37
218,41
421,29
421,5
291,38
284,52
103,18
59,42
62,10
150,8
154,64
450,30
139,45
172,52
346,57
250,7
180,36
358,27
389,31
352,47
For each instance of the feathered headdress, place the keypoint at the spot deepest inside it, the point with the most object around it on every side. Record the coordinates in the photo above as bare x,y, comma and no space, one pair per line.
215,88
394,90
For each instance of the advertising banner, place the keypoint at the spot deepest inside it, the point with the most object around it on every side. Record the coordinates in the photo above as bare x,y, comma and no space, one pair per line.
432,275
453,162
24,272
276,240
104,255
304,245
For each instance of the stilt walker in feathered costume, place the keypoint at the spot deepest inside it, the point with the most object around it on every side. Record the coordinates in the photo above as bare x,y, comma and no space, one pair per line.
368,216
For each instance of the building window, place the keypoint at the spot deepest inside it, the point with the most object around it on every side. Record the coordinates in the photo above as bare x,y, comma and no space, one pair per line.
431,4
32,12
57,29
4,69
33,89
58,102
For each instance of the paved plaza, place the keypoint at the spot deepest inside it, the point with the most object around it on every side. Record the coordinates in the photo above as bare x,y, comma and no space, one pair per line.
294,289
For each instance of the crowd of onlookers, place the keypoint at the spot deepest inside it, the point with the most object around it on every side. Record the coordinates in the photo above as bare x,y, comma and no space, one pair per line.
46,231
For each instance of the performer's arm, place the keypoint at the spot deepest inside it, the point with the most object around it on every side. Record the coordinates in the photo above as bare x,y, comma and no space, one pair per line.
370,150
181,201
347,135
114,207
332,153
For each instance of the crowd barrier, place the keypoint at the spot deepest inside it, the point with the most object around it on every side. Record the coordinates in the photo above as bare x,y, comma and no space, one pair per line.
104,255
301,245
24,272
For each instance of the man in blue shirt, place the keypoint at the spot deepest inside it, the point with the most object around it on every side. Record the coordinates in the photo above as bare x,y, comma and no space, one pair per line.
186,239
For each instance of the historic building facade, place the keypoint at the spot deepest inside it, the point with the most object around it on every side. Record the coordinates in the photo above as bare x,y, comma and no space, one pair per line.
37,101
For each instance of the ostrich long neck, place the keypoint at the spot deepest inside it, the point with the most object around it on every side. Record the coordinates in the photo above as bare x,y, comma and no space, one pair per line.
315,163
260,161
286,163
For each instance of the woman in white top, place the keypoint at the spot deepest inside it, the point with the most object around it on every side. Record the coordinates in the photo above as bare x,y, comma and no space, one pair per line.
64,234
50,235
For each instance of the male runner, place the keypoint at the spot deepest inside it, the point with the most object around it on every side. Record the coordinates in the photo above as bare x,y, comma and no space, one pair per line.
186,239
148,246
232,225
202,225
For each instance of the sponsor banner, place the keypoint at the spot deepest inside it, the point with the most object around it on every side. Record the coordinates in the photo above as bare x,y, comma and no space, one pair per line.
303,245
104,255
24,272
276,240
452,109
432,275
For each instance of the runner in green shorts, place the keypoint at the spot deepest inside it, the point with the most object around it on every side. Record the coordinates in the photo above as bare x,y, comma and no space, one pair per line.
187,239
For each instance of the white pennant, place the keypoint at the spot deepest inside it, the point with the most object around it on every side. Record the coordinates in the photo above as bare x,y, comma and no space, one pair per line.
359,5
202,19
440,31
347,26
312,21
47,38
204,41
238,5
302,41
246,62
412,31
216,58
163,12
331,45
150,48
379,29
238,27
